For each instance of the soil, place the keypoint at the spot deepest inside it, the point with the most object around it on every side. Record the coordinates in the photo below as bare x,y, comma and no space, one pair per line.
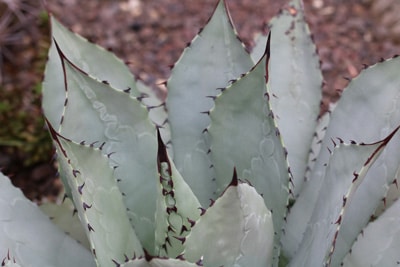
150,36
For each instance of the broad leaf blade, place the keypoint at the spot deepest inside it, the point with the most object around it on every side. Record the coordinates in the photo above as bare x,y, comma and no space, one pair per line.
379,243
237,230
358,210
367,111
171,263
122,122
295,85
99,201
156,262
289,241
345,173
213,58
30,237
65,217
243,135
93,59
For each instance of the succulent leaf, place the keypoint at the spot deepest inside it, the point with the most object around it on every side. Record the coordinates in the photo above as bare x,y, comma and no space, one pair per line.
157,111
379,243
294,84
238,225
213,58
345,173
315,148
8,261
98,201
375,95
92,59
257,155
64,178
359,210
177,207
65,217
392,195
129,139
157,262
23,226
122,151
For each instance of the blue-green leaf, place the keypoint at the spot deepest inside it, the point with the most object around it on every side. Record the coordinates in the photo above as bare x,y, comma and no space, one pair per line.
29,237
295,85
93,59
244,136
98,201
214,57
157,262
236,230
177,207
345,174
367,111
128,134
379,243
64,216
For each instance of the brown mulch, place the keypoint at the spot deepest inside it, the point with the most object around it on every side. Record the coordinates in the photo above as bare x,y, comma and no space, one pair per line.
151,35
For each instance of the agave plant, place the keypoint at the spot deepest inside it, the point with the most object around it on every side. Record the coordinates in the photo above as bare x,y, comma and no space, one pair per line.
204,178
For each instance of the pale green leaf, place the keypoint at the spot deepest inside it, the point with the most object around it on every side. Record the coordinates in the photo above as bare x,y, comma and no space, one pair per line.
392,195
291,240
177,207
171,263
237,230
8,261
315,148
64,216
93,59
102,118
156,262
129,136
142,262
214,57
368,110
379,243
29,237
345,173
295,84
243,135
157,111
98,201
64,178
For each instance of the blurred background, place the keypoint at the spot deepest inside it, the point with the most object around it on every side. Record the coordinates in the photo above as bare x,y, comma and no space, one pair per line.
150,36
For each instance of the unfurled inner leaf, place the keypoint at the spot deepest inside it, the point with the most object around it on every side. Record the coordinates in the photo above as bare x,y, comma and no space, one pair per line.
214,57
243,135
177,207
